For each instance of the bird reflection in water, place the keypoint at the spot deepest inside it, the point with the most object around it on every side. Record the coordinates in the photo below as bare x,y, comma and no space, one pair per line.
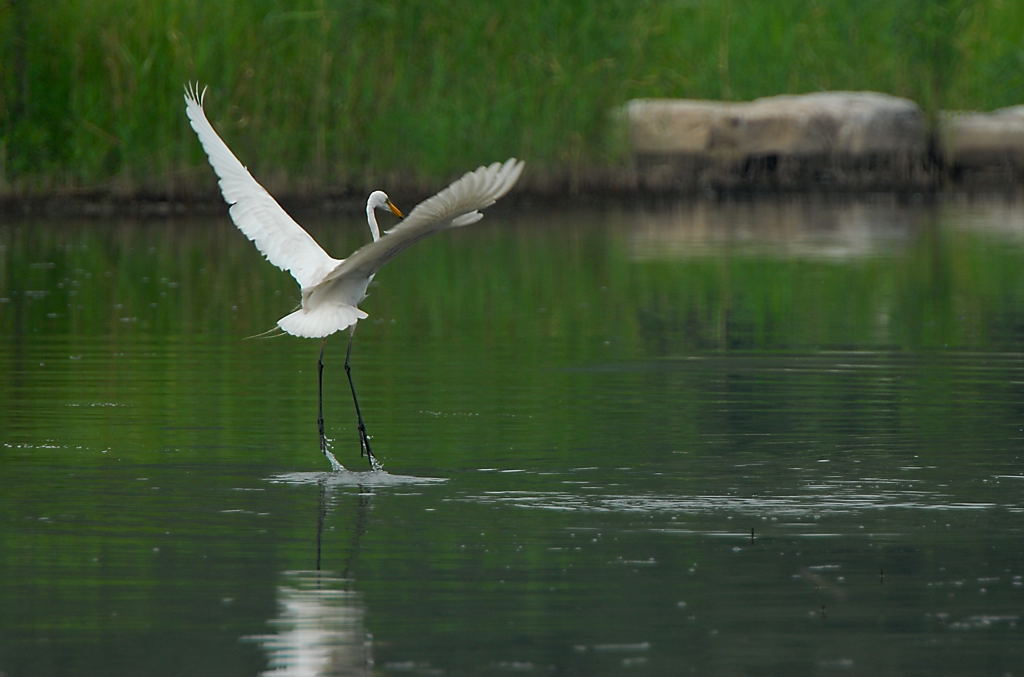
320,628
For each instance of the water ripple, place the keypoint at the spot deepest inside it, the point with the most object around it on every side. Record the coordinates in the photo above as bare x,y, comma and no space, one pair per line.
789,506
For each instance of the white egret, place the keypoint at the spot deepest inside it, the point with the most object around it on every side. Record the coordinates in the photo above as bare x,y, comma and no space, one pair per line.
332,288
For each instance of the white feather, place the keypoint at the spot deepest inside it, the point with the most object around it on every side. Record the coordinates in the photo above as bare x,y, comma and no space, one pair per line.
254,211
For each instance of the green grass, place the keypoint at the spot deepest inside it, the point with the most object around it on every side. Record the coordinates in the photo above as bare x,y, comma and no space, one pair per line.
332,96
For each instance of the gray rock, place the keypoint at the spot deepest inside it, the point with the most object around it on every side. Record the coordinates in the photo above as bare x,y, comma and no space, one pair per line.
827,139
984,148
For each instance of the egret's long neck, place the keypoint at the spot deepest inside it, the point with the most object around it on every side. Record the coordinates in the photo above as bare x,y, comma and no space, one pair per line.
371,219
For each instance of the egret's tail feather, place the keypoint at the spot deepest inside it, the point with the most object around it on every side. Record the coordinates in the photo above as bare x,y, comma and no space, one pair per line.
273,332
321,321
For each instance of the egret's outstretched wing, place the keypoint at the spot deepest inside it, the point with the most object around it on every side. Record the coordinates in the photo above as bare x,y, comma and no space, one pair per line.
456,205
254,211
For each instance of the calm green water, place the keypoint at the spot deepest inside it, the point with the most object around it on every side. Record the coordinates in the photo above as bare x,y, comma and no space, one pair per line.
767,438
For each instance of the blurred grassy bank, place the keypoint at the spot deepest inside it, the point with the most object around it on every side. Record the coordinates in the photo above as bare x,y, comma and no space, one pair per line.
330,97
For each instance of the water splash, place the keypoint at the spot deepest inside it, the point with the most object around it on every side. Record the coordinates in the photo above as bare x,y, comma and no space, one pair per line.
335,465
351,478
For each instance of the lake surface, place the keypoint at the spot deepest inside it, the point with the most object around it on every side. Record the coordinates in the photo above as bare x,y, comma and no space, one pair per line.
763,438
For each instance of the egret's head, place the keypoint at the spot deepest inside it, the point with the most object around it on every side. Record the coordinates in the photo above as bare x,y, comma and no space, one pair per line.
380,200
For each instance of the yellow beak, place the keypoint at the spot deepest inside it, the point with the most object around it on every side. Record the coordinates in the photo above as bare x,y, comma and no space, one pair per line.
395,210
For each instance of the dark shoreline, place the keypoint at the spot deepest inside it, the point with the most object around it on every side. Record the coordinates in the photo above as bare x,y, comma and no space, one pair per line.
104,204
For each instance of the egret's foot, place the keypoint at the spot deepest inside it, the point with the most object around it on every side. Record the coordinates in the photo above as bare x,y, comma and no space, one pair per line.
374,463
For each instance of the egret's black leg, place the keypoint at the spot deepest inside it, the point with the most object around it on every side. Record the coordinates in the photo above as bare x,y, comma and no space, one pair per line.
324,447
320,398
364,439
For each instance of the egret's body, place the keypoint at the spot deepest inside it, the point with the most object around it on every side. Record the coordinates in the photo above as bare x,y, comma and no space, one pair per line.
333,288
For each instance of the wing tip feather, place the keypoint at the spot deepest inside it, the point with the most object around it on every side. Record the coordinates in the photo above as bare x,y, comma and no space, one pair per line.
193,95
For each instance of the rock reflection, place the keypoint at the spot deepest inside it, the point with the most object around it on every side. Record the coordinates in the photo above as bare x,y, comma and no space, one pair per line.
826,229
818,229
320,628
